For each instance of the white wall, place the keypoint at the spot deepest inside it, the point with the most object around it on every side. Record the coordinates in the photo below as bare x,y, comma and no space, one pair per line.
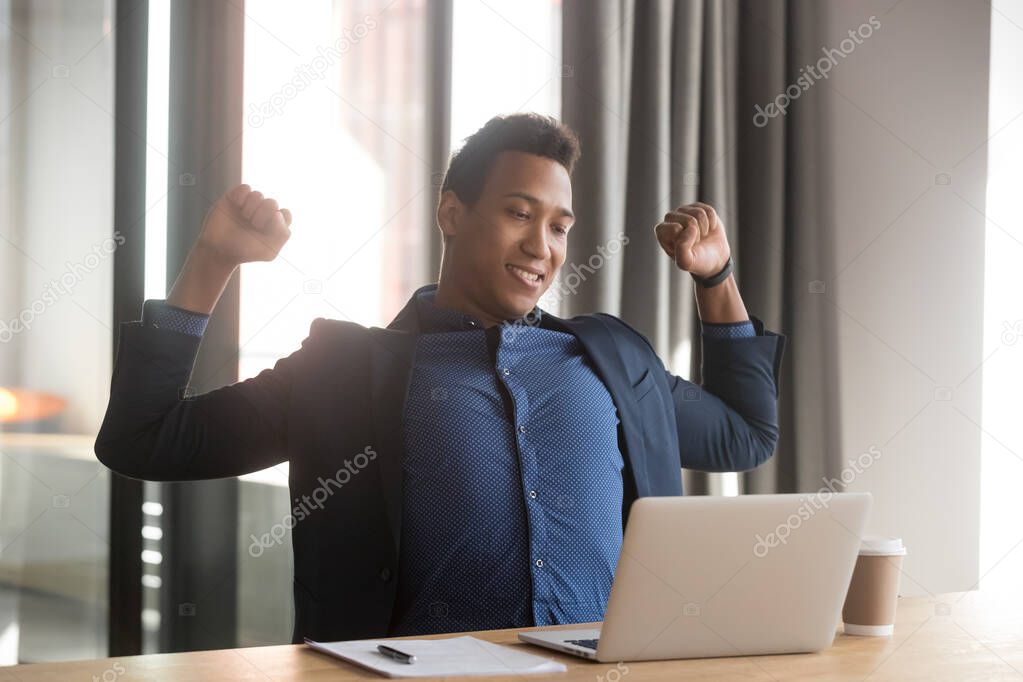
908,111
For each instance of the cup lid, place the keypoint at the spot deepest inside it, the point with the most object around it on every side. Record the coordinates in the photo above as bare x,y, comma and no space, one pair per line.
881,545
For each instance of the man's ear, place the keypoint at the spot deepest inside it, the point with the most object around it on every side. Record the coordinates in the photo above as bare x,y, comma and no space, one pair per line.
449,214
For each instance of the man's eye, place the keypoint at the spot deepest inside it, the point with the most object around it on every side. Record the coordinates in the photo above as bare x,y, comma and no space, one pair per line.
561,229
519,214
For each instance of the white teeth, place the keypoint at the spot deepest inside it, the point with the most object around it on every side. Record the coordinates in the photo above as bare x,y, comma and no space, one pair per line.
525,274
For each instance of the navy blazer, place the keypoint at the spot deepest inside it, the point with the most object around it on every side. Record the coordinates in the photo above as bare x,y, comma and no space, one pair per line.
343,393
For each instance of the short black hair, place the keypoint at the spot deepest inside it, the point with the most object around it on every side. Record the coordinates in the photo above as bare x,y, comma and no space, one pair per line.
524,132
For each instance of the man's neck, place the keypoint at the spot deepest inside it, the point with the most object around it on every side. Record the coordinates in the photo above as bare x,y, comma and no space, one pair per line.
448,296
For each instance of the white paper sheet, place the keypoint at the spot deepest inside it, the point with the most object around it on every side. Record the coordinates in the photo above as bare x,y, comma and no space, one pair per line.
440,657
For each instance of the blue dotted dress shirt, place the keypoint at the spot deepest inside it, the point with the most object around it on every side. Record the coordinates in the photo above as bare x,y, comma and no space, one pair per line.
512,474
512,479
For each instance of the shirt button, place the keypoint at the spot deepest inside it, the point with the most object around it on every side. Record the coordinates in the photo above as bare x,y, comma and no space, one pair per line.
385,574
472,323
506,371
522,429
532,494
539,563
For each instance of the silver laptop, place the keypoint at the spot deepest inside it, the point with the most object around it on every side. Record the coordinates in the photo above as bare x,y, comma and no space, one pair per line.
725,576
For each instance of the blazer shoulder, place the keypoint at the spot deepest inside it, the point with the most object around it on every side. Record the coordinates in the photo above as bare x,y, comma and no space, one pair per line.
624,334
624,331
326,333
326,326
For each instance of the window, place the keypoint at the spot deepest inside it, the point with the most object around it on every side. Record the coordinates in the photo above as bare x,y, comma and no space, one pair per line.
56,303
1001,556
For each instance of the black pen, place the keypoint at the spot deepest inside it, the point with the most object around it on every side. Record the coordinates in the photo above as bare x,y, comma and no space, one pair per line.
399,656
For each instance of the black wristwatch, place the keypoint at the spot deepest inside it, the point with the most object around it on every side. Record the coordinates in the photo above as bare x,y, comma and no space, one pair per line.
714,280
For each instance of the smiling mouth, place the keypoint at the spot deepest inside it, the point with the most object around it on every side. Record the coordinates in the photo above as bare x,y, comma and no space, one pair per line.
525,276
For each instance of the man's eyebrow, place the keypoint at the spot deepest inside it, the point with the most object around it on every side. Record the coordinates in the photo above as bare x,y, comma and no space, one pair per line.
534,200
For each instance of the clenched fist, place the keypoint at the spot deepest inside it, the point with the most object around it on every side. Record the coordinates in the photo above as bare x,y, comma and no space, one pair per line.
695,239
244,226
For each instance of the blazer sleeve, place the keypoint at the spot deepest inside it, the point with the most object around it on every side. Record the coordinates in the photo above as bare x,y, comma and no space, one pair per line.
730,422
154,429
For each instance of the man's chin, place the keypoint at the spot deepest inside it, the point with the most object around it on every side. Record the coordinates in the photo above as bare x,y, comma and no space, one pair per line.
515,306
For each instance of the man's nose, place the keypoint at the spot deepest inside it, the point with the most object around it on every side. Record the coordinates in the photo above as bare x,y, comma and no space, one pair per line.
535,243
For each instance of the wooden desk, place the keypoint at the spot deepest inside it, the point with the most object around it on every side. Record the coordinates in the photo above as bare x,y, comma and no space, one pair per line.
958,636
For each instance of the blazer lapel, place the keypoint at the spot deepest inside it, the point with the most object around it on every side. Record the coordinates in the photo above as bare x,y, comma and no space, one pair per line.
392,356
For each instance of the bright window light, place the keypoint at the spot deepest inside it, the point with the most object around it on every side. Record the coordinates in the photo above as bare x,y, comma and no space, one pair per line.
1001,551
157,108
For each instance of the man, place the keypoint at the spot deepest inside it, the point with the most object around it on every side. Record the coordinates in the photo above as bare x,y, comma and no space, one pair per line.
471,466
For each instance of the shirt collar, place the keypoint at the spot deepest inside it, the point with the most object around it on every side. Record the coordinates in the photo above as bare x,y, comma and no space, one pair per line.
434,318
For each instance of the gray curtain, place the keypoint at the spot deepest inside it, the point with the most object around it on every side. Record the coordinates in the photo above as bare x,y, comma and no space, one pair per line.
662,94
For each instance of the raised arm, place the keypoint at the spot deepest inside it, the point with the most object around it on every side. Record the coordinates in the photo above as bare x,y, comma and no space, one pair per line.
730,422
154,428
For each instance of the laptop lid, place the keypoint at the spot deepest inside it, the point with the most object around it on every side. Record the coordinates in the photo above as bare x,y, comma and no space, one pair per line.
710,576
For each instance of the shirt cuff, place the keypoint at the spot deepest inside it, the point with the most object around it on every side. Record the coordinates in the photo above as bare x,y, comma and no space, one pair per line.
158,314
728,330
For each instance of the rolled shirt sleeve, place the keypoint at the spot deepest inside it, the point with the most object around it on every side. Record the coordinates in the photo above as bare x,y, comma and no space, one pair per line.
158,314
728,330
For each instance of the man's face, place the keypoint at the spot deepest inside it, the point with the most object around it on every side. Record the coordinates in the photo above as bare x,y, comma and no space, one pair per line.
509,246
